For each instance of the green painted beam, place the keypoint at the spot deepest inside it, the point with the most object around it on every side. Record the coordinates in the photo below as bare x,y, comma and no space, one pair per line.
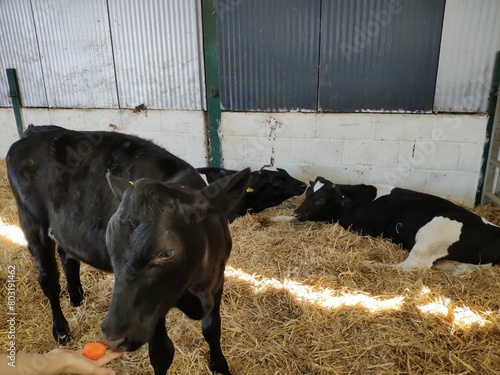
213,116
492,103
16,98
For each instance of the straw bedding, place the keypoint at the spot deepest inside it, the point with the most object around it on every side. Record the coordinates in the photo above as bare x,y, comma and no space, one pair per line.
297,301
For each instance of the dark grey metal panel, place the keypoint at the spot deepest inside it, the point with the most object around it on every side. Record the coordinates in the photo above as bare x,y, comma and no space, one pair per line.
268,54
379,54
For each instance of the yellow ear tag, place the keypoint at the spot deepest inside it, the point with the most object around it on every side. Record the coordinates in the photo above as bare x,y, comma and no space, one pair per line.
249,190
131,182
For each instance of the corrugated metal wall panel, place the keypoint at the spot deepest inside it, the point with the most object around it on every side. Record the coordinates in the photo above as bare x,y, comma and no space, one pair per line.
379,54
268,54
157,53
19,50
471,37
75,49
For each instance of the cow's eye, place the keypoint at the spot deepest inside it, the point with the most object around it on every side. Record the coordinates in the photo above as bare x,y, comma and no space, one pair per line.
166,254
276,182
320,201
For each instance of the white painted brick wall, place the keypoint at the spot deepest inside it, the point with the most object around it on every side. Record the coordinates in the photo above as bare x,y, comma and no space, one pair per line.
8,130
371,153
470,159
438,154
316,151
180,132
414,128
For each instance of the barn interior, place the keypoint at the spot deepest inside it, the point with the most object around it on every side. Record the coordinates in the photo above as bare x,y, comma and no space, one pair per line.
403,93
298,300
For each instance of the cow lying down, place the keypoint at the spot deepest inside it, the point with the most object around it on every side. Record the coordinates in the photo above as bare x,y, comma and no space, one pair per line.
268,187
125,205
436,231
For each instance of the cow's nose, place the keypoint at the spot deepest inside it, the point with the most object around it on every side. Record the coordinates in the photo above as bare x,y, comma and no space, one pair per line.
121,343
296,215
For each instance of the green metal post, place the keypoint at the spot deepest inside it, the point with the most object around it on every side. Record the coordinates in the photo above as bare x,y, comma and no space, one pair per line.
16,98
209,20
492,103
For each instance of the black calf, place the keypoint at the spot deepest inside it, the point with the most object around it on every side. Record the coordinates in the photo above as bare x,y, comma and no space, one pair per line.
125,205
268,187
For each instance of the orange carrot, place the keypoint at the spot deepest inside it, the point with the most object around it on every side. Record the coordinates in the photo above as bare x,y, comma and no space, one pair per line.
94,350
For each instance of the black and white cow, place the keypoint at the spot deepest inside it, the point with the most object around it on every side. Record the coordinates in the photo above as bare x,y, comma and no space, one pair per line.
268,187
126,205
432,228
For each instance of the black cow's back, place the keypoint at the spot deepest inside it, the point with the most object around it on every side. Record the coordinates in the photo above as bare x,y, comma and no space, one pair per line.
121,154
58,176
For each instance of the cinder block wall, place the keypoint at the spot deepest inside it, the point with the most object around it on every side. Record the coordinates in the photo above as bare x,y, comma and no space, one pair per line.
8,130
180,132
438,154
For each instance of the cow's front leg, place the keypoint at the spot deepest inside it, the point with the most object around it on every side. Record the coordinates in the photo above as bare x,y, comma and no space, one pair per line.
211,326
48,277
71,269
161,349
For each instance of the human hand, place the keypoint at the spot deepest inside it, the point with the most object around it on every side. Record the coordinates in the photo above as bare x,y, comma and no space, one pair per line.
75,363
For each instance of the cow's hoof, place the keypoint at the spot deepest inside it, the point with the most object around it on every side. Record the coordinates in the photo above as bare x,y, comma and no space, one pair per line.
76,300
75,303
62,336
220,370
63,339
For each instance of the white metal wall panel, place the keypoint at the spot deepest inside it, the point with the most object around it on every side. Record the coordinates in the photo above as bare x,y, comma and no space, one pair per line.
157,53
471,37
75,49
19,50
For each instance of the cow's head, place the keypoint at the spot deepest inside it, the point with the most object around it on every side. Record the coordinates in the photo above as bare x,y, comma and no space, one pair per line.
272,186
159,248
324,202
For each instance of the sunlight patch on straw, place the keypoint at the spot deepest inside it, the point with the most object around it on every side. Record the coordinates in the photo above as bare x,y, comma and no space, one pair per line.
12,233
438,307
463,317
325,298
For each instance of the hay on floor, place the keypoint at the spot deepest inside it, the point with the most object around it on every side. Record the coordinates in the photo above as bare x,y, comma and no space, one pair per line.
297,301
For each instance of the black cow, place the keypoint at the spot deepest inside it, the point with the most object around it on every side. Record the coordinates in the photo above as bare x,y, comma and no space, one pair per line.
125,205
268,187
432,228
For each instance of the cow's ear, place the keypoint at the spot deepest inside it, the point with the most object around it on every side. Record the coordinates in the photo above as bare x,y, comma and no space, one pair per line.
224,193
118,185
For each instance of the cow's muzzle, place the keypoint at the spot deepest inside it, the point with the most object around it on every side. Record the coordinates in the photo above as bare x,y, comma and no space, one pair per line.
302,187
299,216
123,343
120,339
120,344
